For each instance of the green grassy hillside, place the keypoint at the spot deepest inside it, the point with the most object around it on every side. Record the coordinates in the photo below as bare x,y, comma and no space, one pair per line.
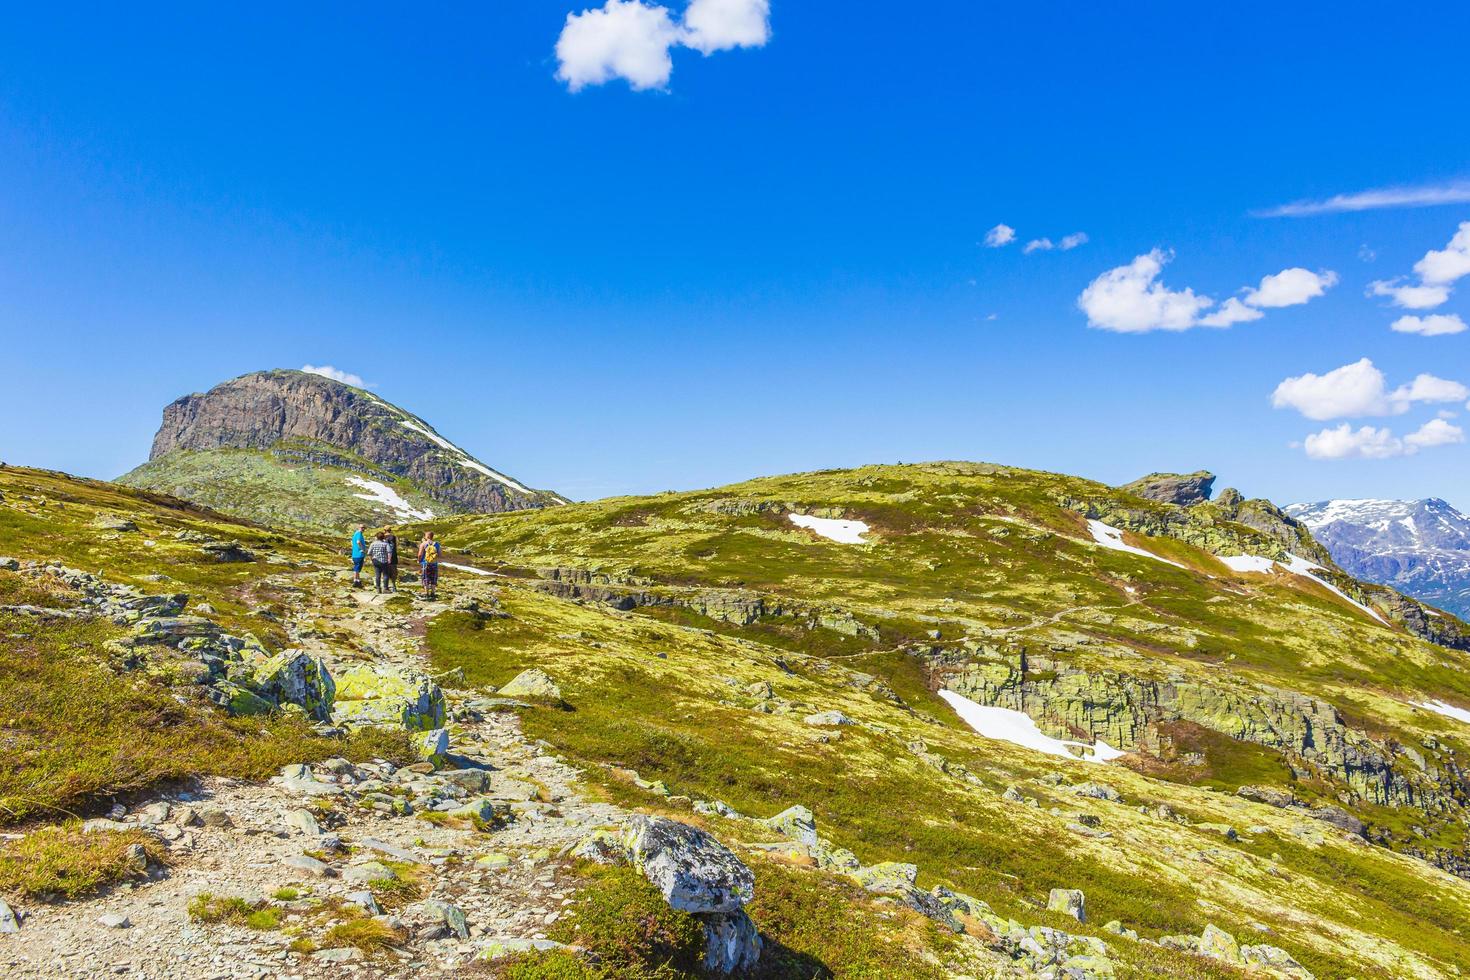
695,632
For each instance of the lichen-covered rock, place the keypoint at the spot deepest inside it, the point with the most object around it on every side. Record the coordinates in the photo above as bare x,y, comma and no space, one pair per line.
384,696
695,872
294,677
503,946
1174,488
887,877
796,822
534,683
1068,901
1277,959
732,942
1218,944
829,718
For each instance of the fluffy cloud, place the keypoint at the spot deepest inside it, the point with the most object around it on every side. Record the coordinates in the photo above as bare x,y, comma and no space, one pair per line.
1387,197
1000,235
632,40
1360,389
719,25
1435,432
1067,243
1409,296
1369,442
1444,266
1438,271
623,39
1290,287
1231,311
1130,299
327,371
1345,442
1436,325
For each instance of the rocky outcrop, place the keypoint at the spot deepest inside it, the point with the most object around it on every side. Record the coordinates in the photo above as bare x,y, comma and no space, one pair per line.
1173,488
292,411
1123,710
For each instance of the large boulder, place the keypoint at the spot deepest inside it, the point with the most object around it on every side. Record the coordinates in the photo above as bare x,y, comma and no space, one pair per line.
732,943
1184,489
384,696
695,872
534,683
294,677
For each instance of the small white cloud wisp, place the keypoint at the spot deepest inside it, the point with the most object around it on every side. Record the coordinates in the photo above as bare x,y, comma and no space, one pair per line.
327,371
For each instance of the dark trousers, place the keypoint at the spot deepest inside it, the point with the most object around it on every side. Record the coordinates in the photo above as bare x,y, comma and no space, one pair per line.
382,576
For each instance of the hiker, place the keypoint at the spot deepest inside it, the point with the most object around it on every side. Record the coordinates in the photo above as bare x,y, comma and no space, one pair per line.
380,552
392,540
359,552
429,562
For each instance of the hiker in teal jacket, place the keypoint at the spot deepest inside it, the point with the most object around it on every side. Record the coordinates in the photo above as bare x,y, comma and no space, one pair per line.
359,552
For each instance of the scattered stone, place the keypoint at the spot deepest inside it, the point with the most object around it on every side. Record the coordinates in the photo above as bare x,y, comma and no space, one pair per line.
303,822
1096,791
1068,901
213,816
345,954
534,683
887,877
796,822
828,718
310,865
9,921
113,920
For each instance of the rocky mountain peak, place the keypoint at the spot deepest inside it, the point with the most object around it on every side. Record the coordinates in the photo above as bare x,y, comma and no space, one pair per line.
273,426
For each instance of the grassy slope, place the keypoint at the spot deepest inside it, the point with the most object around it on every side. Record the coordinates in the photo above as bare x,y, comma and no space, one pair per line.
972,550
74,732
278,491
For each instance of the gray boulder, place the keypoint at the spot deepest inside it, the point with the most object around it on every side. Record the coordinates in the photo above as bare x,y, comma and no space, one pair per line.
695,872
732,942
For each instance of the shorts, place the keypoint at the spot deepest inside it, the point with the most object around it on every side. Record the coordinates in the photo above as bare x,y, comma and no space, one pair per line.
431,575
357,565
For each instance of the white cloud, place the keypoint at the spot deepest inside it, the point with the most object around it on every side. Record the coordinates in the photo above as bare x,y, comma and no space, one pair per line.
1368,442
1438,271
1345,442
623,39
1354,389
1130,299
327,371
1435,432
1000,235
1410,297
719,25
1457,192
1434,325
1231,311
1360,389
1290,287
1442,267
1067,243
1428,388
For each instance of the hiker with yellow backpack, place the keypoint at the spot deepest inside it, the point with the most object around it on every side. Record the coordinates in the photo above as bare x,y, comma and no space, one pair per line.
429,551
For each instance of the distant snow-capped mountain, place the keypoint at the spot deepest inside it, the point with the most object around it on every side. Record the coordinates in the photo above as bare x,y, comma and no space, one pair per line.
1420,547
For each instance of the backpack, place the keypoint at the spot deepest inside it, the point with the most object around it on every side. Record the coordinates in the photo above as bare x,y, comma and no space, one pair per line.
430,553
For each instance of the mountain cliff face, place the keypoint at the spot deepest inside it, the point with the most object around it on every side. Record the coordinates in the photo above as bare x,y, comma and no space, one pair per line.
1421,547
286,447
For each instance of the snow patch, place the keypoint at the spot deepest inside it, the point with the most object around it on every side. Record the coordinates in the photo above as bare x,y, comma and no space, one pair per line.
465,460
844,532
1448,710
1300,566
1248,563
1016,727
465,568
378,493
1112,538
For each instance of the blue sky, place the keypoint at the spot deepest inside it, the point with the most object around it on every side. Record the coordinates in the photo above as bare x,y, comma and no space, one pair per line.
770,260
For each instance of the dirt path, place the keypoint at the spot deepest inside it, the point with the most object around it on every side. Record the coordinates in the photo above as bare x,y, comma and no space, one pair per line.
503,881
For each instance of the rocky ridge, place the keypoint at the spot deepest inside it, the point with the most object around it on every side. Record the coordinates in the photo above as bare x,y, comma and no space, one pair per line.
344,452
